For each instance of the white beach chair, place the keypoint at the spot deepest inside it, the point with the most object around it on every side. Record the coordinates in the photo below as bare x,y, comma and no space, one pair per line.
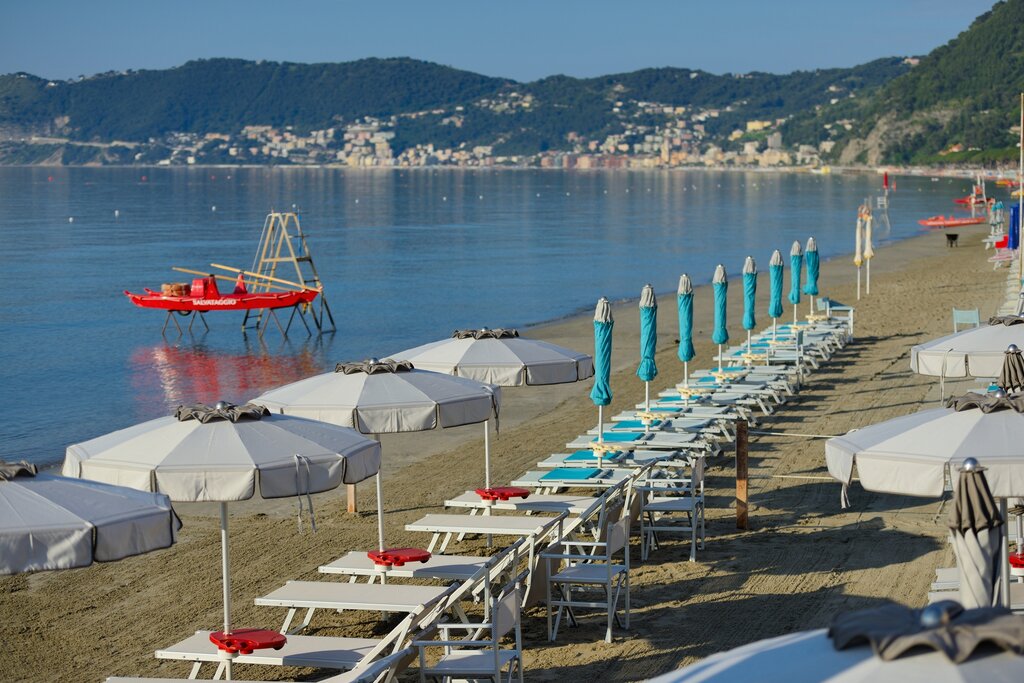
478,657
673,505
593,566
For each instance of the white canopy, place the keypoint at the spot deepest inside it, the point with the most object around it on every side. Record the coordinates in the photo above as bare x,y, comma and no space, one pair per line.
506,362
221,460
51,522
809,657
387,402
977,352
914,454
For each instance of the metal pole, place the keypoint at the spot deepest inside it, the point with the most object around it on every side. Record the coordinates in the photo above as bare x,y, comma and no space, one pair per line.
600,436
1004,569
647,396
487,454
719,358
225,568
867,285
380,512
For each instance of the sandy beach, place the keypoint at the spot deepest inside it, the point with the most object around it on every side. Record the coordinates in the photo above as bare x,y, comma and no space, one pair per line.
802,561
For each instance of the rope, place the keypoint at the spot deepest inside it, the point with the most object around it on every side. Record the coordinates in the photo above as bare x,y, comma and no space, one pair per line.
301,460
807,436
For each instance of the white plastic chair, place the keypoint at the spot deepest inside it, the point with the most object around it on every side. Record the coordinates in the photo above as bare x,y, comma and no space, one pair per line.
967,317
476,657
673,506
589,570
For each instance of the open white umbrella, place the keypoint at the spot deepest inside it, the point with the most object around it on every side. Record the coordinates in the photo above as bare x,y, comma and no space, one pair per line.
388,396
499,357
51,522
227,453
977,352
811,657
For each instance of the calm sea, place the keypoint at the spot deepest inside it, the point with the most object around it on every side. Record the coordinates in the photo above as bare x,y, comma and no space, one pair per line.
406,257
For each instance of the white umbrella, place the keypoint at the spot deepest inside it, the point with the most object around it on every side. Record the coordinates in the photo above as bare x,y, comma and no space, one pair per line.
502,358
377,397
810,657
52,522
916,454
225,454
977,352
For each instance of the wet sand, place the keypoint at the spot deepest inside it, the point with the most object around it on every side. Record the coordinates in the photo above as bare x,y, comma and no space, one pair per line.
802,561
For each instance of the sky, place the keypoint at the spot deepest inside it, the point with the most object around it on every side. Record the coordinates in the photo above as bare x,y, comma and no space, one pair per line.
519,39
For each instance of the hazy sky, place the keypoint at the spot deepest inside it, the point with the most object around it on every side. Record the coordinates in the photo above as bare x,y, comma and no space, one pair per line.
520,39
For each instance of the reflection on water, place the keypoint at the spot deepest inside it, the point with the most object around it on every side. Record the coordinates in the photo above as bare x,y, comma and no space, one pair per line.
190,372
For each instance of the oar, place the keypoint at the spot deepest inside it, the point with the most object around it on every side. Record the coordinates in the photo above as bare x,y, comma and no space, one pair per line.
199,272
260,275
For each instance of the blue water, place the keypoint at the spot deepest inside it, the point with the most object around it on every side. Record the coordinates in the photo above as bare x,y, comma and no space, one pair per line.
406,257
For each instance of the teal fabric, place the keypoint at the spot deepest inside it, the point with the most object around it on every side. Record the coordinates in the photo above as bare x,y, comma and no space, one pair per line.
571,474
720,334
633,424
749,294
795,264
813,270
685,303
775,291
618,437
589,455
648,340
601,394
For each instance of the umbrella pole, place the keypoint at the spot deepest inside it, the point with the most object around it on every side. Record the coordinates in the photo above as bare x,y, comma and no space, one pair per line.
1004,567
858,283
487,453
719,358
686,373
867,282
748,341
647,396
600,436
380,512
775,328
225,561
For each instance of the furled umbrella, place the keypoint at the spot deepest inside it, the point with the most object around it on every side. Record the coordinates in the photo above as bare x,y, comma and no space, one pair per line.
720,287
648,370
858,250
52,522
500,357
749,296
796,257
869,250
813,263
227,453
775,275
385,397
974,521
601,393
684,303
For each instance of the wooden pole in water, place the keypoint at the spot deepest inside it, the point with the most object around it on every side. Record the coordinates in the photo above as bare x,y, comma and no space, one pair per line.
741,474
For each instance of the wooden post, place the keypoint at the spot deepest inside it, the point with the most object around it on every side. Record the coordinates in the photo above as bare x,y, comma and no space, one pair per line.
350,494
741,474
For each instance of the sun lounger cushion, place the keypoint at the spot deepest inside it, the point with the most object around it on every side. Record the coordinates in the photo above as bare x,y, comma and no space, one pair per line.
571,474
589,455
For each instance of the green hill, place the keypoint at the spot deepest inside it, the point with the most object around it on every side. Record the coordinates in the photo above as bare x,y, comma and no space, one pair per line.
964,93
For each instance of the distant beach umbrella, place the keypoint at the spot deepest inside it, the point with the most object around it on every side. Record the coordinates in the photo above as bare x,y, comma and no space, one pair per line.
749,295
684,301
775,274
869,249
813,270
1013,235
796,258
647,369
51,522
601,394
720,285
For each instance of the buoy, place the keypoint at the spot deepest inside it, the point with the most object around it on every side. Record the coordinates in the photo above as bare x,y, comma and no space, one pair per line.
116,213
145,178
444,199
49,178
71,219
357,201
213,208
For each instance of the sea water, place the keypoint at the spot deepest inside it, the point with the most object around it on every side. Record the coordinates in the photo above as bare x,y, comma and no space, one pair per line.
406,256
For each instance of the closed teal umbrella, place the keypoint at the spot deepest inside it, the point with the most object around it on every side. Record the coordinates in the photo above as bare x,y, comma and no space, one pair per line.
813,270
684,300
796,257
601,394
720,335
775,268
648,340
749,294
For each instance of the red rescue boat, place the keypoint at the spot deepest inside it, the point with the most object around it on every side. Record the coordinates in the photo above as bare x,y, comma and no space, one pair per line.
204,296
950,222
